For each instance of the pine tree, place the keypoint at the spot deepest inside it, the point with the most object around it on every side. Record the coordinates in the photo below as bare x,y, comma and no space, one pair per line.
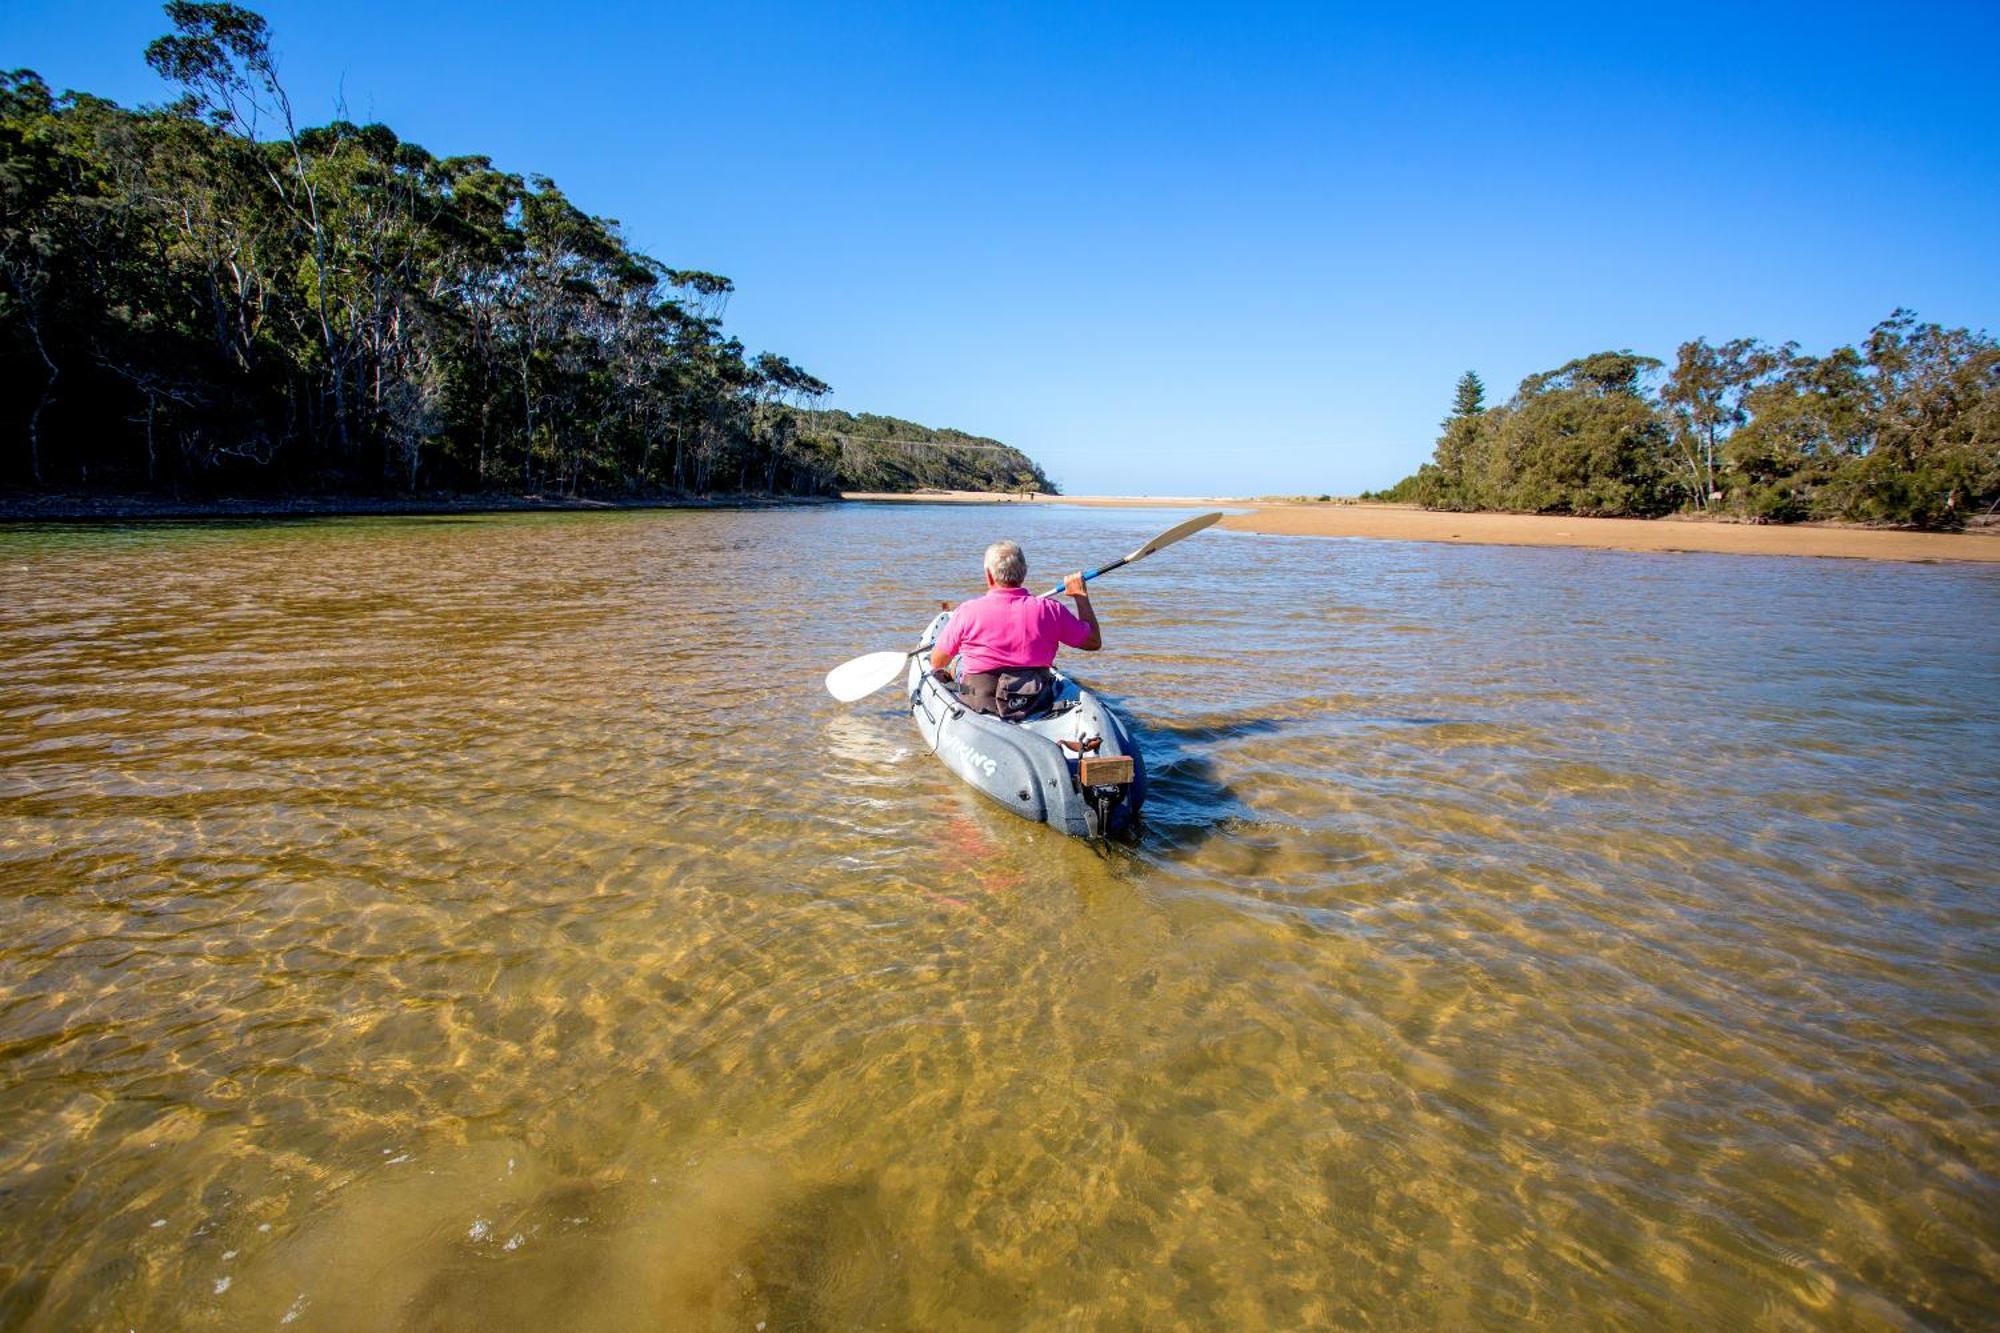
1449,487
1470,399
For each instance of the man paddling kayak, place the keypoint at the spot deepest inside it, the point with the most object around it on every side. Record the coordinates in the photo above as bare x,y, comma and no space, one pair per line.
1007,640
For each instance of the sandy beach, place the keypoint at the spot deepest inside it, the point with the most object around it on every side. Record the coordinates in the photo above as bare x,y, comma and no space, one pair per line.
1277,517
1407,523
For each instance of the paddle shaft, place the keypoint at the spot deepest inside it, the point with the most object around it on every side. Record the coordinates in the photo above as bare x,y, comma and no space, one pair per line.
1091,574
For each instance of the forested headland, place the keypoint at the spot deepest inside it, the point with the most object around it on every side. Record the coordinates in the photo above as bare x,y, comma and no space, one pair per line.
1903,429
209,297
877,453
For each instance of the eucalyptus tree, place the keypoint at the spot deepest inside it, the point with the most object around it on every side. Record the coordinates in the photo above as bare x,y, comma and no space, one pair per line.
1937,436
1806,419
220,54
1581,439
37,199
1703,401
782,393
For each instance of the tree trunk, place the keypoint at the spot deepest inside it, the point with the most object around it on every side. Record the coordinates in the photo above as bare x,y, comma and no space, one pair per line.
41,403
528,437
35,426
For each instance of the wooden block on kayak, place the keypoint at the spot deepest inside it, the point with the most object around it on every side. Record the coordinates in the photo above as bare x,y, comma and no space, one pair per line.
1105,770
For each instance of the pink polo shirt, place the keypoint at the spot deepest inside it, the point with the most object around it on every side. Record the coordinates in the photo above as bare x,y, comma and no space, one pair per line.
1011,627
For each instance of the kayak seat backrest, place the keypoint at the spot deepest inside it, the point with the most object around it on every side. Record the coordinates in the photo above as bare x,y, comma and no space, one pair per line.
1012,695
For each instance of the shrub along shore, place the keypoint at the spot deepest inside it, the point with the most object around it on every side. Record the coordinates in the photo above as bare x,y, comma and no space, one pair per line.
1904,430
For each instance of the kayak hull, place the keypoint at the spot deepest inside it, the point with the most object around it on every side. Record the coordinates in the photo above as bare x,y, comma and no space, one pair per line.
1024,766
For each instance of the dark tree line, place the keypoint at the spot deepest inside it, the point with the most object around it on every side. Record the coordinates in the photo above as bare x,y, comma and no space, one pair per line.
208,295
1904,429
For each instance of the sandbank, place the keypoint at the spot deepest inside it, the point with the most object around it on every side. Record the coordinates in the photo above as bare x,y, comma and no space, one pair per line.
1408,523
1041,498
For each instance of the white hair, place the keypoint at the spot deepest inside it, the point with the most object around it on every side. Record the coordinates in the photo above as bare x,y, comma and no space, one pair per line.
1006,564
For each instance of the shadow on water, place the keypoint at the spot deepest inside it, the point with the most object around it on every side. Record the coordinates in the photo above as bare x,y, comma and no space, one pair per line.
1225,727
821,1262
727,1241
1187,803
1187,800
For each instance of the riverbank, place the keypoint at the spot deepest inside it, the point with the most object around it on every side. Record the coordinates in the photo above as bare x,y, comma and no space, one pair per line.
1408,523
141,508
1274,517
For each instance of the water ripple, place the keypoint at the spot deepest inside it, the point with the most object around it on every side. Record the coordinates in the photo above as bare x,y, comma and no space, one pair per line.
490,923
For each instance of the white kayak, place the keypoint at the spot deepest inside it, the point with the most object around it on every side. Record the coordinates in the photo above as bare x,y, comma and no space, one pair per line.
1073,767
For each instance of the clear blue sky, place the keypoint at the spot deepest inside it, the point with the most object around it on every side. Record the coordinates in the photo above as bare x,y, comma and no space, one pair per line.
1207,248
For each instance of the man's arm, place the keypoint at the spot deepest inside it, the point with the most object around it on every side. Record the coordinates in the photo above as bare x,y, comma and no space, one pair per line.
1073,585
946,646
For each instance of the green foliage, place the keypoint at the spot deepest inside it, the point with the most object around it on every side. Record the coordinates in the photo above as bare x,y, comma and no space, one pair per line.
210,296
1446,484
1581,439
1469,400
877,453
1403,492
1702,401
1905,430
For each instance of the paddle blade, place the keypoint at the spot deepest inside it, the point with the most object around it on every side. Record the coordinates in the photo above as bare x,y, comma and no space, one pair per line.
1167,538
1174,534
861,677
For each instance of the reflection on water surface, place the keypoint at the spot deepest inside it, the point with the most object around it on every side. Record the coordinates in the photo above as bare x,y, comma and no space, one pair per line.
472,925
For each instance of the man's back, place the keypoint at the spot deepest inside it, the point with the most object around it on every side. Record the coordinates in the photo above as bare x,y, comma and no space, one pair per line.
1006,641
1011,628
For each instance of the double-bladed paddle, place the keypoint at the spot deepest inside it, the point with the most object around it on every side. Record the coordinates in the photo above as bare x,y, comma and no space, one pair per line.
860,677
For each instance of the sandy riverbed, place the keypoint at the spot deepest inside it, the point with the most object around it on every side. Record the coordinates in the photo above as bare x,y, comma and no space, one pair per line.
1405,523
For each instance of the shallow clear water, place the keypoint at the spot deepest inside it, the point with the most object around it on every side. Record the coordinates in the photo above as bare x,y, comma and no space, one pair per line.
487,922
